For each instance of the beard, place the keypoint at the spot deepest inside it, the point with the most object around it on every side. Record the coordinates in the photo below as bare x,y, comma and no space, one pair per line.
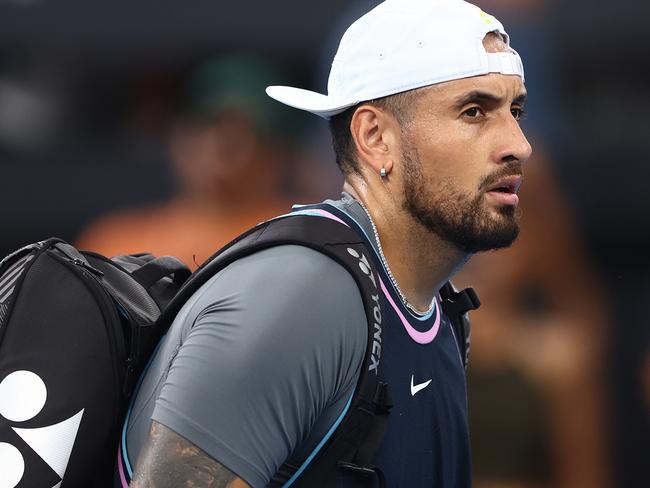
457,218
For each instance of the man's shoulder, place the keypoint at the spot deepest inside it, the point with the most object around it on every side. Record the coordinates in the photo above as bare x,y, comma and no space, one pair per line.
286,264
285,283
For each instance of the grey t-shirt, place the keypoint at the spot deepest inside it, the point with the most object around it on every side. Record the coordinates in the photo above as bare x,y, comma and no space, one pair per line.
259,364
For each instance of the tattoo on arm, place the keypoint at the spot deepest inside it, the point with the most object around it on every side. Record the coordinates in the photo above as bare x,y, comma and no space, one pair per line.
168,460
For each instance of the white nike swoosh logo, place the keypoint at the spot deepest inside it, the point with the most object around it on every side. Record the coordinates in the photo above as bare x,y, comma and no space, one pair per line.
419,387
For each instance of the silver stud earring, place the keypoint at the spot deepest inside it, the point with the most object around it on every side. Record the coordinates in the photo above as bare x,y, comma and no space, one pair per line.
382,173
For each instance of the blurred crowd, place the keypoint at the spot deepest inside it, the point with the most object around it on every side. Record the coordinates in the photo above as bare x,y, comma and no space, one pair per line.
124,155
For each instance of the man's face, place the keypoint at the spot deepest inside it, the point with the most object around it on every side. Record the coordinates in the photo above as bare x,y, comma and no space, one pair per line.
462,156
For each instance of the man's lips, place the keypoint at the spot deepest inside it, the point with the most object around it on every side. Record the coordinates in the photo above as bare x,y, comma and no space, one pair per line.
508,184
505,190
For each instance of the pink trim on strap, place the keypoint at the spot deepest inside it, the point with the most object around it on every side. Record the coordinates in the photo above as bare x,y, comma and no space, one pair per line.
120,465
419,337
325,213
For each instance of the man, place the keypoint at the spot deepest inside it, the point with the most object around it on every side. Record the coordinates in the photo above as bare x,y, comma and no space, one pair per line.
424,99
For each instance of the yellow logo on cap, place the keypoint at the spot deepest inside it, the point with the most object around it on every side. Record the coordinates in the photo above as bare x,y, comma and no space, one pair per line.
487,18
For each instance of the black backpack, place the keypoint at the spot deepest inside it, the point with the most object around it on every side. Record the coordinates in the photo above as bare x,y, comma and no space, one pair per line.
75,331
352,445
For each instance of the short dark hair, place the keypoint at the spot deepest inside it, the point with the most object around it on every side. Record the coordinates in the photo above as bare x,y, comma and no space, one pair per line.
399,105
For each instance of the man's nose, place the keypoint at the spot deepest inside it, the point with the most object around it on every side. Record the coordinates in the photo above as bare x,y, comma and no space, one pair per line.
514,144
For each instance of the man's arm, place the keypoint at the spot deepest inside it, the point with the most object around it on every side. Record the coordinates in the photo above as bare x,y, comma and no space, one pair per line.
273,350
168,460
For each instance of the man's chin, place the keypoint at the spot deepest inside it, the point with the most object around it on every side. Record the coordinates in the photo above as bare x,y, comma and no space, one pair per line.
502,239
500,235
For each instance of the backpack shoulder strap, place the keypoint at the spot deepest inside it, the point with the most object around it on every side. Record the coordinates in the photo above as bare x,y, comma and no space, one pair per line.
323,235
352,441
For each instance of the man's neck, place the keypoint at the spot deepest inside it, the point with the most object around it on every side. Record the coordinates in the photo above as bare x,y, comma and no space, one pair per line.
420,261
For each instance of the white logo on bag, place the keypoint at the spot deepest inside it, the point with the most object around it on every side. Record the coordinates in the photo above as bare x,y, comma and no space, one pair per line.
22,397
364,265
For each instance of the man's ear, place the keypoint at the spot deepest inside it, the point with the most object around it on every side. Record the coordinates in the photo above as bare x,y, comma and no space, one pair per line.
376,137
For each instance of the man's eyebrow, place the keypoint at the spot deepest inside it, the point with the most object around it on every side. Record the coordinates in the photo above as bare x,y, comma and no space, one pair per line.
477,96
482,97
521,99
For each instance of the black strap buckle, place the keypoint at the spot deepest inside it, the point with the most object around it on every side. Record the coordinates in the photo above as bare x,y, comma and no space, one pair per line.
458,302
383,399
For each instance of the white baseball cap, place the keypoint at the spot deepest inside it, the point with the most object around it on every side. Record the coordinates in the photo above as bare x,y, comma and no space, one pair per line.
401,45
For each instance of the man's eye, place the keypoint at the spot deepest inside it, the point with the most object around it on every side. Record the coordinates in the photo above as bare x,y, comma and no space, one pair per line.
473,112
518,113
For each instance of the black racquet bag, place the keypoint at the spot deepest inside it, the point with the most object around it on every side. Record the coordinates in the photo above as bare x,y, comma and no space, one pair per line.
76,329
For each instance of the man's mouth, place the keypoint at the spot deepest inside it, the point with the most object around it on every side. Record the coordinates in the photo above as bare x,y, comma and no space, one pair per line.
505,190
508,184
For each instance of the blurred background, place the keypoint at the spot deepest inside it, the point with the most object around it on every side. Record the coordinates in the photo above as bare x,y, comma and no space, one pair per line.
138,126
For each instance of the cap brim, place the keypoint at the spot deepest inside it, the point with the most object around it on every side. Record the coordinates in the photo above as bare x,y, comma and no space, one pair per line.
310,101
